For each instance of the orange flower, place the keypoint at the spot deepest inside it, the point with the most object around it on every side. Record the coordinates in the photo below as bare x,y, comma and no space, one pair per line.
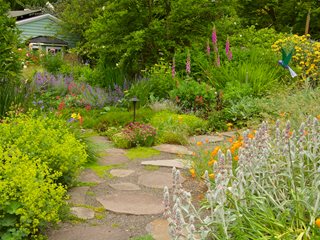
211,176
215,151
318,117
192,172
207,140
199,143
236,158
194,154
282,114
317,222
211,162
230,140
250,135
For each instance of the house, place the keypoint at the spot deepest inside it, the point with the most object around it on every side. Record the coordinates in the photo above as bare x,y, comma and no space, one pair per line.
41,31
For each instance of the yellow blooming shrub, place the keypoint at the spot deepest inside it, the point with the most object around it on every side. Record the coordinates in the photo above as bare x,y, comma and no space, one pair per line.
306,56
29,198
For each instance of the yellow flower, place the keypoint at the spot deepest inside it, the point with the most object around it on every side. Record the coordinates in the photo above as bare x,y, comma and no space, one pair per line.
211,162
74,115
192,172
317,222
211,176
199,143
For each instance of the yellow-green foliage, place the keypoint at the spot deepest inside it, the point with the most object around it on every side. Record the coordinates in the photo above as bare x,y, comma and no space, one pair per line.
29,198
48,139
175,128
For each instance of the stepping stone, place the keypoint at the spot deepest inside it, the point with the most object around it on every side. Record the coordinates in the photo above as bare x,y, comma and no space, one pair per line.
121,172
100,140
159,229
227,134
115,151
171,148
89,176
83,213
157,180
125,186
205,139
177,163
136,203
78,195
85,232
112,159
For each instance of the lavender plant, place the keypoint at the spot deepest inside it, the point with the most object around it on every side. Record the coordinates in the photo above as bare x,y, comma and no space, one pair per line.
272,193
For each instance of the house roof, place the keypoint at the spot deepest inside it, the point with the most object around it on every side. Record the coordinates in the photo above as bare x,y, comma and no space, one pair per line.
37,18
48,40
22,14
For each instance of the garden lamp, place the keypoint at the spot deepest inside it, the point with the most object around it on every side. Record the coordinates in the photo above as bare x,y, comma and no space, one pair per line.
134,100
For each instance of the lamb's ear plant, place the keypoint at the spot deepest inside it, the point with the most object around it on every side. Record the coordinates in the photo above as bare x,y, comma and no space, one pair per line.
273,192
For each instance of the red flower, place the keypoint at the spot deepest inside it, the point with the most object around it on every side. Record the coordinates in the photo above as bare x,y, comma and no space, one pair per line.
88,107
61,106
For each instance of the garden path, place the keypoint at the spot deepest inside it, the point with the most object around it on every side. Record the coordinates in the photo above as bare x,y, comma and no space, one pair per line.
119,198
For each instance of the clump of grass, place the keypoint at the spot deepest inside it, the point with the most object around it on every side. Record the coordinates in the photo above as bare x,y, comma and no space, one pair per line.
141,152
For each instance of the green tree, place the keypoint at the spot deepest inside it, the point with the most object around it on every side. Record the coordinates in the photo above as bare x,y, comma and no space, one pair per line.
9,64
283,15
135,34
22,4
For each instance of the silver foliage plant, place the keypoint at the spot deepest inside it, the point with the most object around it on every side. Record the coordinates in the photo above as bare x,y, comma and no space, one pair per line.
277,177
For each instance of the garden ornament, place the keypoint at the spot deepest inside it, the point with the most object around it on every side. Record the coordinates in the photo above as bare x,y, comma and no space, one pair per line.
285,61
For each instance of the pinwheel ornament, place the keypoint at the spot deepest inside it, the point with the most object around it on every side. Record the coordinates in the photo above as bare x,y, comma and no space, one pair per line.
285,61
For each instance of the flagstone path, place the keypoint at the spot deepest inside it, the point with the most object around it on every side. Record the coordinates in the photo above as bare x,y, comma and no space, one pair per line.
126,201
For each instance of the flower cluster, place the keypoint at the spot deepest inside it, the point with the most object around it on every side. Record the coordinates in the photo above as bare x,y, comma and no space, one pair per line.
139,134
273,190
306,56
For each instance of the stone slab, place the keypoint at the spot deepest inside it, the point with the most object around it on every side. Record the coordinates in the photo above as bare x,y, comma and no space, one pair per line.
88,175
115,151
85,232
125,186
177,163
205,139
83,213
78,195
100,140
157,180
159,229
121,172
112,159
135,203
175,149
227,134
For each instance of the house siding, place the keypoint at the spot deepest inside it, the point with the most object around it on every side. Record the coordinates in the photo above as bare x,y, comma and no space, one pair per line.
43,27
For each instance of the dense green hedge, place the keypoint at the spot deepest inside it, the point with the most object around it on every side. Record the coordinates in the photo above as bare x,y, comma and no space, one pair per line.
38,154
48,139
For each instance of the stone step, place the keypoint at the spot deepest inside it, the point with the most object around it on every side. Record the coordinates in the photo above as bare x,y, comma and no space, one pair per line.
121,172
177,163
136,203
157,180
175,149
125,186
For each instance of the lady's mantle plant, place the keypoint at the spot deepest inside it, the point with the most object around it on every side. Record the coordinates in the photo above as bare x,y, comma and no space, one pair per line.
273,192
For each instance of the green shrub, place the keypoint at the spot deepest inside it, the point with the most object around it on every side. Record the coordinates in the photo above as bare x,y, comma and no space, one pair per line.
193,96
132,135
175,128
53,63
46,138
29,198
122,117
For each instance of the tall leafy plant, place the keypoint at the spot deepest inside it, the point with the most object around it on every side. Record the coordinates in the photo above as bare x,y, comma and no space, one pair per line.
9,64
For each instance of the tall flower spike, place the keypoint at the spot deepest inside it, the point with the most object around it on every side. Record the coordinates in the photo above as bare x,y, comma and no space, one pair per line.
208,48
227,47
218,60
214,36
188,64
173,68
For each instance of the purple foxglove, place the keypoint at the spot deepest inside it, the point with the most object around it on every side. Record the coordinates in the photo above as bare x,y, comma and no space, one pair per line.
214,36
188,64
